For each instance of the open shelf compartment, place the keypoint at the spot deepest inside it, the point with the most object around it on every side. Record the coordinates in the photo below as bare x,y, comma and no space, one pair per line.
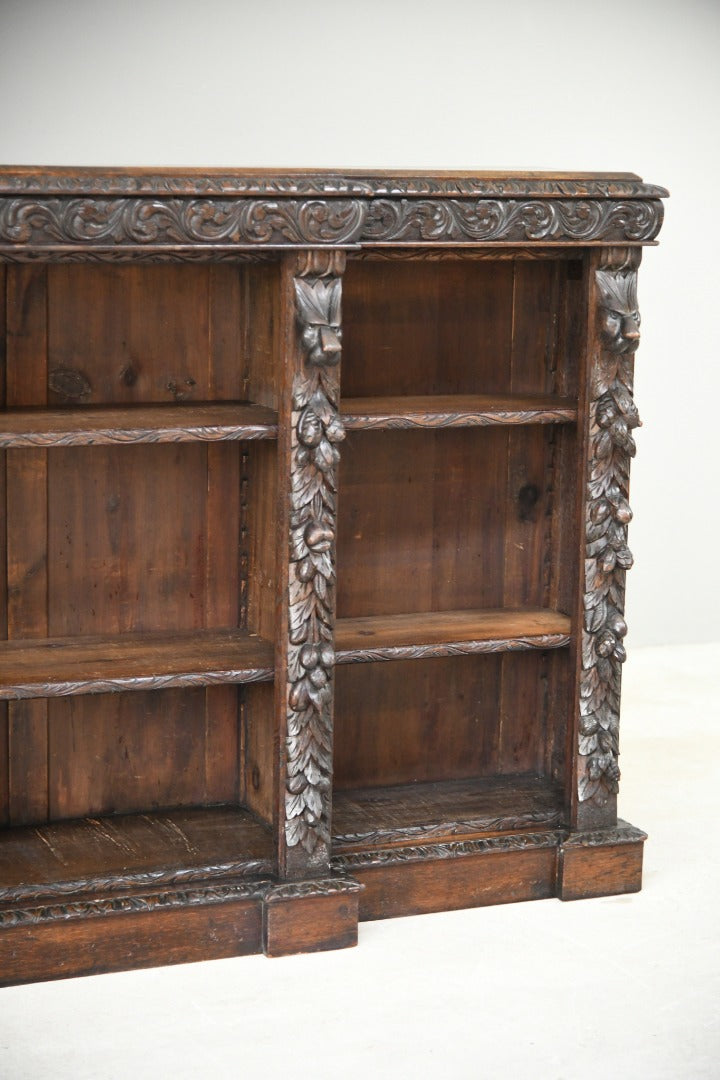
100,857
138,610
411,814
457,547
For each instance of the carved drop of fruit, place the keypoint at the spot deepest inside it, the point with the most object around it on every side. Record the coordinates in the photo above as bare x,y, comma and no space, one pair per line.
306,570
318,537
310,429
309,657
327,655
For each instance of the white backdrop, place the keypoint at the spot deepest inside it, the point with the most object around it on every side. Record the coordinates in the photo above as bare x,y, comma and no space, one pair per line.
571,84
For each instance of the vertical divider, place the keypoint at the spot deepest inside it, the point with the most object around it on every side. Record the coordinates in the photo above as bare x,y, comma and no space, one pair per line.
310,429
608,447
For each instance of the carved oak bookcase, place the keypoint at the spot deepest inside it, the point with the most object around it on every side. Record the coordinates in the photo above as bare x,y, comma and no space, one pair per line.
290,642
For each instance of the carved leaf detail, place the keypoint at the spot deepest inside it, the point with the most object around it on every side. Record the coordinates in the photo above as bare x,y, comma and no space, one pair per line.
613,416
165,221
316,429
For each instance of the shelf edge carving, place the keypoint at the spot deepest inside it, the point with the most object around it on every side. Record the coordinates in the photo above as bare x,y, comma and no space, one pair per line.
505,823
62,688
501,417
455,849
450,648
131,437
130,904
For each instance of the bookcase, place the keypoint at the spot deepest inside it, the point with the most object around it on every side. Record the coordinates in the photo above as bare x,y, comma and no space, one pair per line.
314,553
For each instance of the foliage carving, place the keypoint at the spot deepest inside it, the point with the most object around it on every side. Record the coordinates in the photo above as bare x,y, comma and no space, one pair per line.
316,430
613,416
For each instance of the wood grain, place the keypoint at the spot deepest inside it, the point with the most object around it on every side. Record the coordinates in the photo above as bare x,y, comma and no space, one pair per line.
311,916
454,410
26,531
136,424
600,871
250,589
447,633
91,946
96,664
414,813
442,885
104,855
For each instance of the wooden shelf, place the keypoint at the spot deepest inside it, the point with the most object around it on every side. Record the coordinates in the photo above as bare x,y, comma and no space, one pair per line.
453,411
416,813
227,421
57,667
448,633
96,856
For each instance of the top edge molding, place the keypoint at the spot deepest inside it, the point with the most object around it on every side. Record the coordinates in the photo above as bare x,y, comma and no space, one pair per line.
320,183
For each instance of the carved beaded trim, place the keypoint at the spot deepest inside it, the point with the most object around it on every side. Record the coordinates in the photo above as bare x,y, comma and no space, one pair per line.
301,890
452,850
612,418
398,834
622,833
157,224
316,431
249,868
326,184
451,648
130,904
72,688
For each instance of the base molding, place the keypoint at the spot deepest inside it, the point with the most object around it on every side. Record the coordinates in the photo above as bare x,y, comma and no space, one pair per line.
601,862
496,870
311,916
38,950
88,935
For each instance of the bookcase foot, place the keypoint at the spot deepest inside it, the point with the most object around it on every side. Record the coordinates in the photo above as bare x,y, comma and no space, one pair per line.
310,916
603,862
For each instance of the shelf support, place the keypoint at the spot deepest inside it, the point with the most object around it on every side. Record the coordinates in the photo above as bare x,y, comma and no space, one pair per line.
310,431
611,416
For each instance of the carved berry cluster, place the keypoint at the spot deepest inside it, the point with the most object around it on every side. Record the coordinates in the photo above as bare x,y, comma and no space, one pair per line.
613,416
316,431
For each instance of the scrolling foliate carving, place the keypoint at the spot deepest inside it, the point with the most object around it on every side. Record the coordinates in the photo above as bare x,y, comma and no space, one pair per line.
163,223
507,220
612,418
316,430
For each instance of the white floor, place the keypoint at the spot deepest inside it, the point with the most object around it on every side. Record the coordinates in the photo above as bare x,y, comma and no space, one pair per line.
612,988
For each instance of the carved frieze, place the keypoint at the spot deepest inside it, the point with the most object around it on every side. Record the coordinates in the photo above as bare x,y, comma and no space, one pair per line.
131,226
316,431
612,418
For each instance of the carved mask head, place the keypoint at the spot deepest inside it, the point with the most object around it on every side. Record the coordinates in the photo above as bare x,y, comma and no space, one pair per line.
318,305
619,315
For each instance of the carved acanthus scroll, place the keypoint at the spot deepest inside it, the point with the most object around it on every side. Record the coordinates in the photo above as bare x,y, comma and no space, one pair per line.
612,418
316,431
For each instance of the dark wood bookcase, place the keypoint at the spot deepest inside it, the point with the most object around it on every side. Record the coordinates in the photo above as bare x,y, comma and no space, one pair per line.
290,642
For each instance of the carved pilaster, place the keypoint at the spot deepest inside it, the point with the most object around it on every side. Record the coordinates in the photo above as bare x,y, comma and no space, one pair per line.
315,431
612,416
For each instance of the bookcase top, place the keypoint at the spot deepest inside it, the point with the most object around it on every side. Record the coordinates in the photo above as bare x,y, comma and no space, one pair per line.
324,183
129,214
